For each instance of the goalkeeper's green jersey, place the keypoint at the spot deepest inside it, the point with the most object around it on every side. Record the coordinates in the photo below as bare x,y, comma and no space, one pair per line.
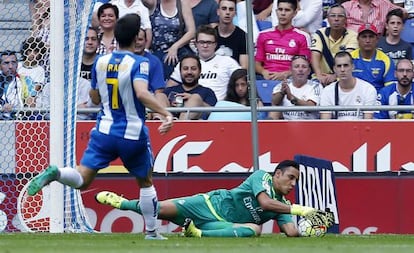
240,205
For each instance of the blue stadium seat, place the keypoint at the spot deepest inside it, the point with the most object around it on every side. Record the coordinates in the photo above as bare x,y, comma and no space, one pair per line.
407,34
265,89
263,25
228,116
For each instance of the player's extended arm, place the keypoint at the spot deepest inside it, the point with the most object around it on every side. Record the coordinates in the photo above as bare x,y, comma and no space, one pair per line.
95,97
142,93
268,204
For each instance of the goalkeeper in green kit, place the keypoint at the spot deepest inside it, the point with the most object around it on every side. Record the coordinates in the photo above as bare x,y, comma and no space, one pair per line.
238,212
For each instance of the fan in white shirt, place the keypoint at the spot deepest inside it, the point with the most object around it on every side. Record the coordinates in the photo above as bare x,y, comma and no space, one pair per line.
349,90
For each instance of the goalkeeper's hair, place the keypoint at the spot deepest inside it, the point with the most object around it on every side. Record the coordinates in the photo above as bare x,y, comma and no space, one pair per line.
126,29
285,164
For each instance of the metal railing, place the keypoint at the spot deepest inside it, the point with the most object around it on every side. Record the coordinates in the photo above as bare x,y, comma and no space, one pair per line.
358,109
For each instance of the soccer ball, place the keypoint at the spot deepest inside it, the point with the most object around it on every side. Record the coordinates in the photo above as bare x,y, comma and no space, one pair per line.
306,228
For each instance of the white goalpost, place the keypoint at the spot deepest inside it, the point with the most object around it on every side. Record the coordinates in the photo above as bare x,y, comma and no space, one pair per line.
69,20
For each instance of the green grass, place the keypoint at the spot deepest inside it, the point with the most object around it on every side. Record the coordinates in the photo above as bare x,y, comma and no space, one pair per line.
124,243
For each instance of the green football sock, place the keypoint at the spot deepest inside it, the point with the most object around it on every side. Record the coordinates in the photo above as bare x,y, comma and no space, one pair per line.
229,232
131,205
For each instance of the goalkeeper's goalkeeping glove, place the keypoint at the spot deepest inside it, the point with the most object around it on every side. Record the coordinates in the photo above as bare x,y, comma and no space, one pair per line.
301,210
318,217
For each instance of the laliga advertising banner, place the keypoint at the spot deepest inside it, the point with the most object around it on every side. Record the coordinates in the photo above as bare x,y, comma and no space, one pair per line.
316,186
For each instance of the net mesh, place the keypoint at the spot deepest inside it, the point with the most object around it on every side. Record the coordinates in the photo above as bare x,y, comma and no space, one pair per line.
24,116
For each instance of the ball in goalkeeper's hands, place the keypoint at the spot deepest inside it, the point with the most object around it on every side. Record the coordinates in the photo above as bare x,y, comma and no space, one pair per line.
308,229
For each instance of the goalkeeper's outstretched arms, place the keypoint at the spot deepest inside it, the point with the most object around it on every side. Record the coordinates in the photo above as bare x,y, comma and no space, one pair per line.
318,217
269,204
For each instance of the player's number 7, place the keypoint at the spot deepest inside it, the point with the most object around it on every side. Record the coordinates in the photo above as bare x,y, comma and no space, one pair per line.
114,83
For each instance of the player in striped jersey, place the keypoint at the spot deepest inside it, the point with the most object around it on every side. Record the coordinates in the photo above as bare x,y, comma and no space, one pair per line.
120,82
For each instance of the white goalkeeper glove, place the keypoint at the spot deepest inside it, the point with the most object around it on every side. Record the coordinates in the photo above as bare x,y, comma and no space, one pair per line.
302,210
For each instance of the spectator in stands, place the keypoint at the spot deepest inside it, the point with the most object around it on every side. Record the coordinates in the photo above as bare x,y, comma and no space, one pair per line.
238,88
406,4
308,17
136,6
190,93
348,90
361,12
42,31
231,40
172,27
391,43
38,8
215,69
237,96
326,4
241,19
95,20
276,48
204,12
14,92
156,82
30,70
108,14
328,41
298,91
370,63
398,93
262,9
88,59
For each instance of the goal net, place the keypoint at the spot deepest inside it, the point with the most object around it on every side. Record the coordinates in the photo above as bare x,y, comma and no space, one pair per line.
41,43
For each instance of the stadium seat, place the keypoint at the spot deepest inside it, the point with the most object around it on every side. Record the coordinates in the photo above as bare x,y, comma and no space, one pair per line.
263,24
407,33
265,89
228,116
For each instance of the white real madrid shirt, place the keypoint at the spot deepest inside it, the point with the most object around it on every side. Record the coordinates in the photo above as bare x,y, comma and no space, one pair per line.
362,94
215,74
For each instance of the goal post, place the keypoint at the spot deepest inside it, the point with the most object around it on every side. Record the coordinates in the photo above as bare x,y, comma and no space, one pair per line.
57,78
69,21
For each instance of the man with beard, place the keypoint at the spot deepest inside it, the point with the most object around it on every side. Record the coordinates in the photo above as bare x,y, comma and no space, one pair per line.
215,69
398,93
189,93
13,91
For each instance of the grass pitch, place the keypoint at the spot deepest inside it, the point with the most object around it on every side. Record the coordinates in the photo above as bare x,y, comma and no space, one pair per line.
125,243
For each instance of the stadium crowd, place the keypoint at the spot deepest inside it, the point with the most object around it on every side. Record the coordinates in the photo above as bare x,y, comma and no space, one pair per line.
312,32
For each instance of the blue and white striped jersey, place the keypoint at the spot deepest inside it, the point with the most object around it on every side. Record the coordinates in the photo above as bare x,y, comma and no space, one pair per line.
122,114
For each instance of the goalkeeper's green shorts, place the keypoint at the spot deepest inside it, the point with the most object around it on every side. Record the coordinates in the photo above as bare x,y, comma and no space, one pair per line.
199,209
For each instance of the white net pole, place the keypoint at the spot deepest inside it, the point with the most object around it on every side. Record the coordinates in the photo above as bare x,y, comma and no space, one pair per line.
56,111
